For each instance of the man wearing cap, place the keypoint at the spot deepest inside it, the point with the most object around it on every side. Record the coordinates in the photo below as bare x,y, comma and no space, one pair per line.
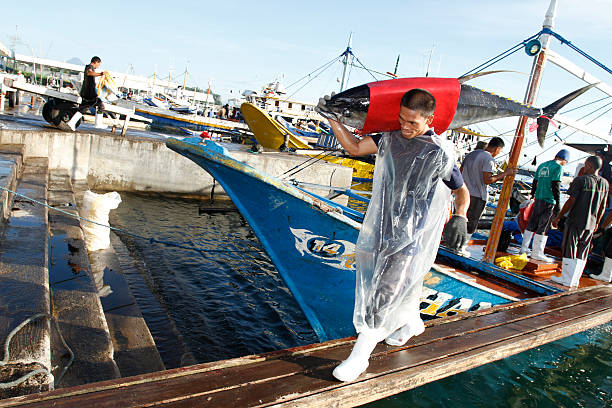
545,190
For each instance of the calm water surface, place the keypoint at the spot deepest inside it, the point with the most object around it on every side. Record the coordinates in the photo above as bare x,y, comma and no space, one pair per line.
228,304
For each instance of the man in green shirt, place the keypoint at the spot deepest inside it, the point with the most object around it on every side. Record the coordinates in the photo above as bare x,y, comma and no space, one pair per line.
545,189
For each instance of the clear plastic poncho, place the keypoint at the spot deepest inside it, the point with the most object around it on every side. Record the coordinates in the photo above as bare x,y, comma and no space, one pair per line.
401,231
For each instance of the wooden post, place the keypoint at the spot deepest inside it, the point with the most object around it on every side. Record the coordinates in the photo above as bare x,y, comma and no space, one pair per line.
125,124
2,93
517,144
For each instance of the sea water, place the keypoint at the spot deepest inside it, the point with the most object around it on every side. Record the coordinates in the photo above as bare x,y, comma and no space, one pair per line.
228,301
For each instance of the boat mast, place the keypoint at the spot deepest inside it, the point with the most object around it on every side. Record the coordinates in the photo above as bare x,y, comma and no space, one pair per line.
429,61
517,144
185,79
396,66
346,54
154,79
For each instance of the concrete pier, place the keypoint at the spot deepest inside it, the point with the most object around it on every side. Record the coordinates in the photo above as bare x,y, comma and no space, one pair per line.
86,332
24,287
135,163
56,327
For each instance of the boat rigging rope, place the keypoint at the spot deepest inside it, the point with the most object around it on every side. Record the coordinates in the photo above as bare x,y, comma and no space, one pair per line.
520,45
566,137
151,240
364,67
5,360
586,104
501,56
321,67
307,82
305,164
575,48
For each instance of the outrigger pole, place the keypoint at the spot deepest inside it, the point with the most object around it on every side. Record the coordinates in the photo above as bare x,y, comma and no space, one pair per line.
517,143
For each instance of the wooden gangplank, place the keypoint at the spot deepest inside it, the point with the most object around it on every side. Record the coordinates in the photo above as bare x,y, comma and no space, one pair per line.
302,376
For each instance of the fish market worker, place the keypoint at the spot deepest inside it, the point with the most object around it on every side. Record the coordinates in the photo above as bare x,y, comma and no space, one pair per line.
89,94
477,171
546,190
584,208
414,174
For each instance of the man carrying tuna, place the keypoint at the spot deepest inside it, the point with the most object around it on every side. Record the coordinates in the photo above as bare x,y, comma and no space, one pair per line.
414,174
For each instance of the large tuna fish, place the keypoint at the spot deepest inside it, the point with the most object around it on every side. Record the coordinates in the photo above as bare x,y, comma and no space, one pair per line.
374,107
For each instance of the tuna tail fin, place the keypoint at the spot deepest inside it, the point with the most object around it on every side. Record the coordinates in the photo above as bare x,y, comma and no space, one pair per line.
551,110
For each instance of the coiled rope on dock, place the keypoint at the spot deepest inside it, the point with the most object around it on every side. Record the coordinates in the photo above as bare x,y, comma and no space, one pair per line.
5,360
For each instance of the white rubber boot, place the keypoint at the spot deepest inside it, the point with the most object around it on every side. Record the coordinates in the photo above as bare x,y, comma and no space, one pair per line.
73,120
100,122
464,249
403,334
577,273
357,362
606,272
537,252
571,272
564,279
527,235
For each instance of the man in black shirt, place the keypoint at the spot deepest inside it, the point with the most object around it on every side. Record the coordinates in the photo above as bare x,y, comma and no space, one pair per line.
584,208
89,94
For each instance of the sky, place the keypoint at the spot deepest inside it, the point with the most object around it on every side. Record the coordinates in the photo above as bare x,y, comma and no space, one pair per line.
240,45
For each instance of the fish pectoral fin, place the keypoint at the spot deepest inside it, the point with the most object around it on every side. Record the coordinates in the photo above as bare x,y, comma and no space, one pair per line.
466,78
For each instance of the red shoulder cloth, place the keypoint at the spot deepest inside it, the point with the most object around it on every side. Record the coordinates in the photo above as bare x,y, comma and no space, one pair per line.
385,98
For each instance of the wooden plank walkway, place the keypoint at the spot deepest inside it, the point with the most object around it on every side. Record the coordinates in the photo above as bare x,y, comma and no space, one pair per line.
302,376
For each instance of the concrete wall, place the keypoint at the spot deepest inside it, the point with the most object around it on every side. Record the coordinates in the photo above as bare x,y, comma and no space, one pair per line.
110,162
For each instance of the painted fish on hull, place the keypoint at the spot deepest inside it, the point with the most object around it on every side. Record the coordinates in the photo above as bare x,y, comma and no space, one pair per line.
374,107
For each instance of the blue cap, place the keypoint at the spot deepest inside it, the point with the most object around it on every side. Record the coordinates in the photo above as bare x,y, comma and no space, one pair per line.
563,154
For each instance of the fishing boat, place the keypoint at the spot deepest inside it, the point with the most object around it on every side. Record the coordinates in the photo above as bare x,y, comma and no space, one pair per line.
156,102
312,243
311,240
163,117
276,135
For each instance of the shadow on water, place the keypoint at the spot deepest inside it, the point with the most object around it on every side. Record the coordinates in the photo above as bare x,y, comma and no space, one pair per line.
224,304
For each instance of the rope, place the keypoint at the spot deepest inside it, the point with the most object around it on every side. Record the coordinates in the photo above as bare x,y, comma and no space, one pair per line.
501,56
575,48
364,67
307,163
586,104
566,137
312,72
32,373
309,81
151,240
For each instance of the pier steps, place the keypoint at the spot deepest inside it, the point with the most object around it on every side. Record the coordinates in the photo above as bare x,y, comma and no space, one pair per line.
57,292
76,304
46,284
135,351
24,285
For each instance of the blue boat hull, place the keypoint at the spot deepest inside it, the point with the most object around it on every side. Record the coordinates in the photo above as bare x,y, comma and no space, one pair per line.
312,244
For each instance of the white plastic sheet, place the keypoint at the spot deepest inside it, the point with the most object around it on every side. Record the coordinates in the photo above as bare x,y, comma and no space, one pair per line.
96,207
401,231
